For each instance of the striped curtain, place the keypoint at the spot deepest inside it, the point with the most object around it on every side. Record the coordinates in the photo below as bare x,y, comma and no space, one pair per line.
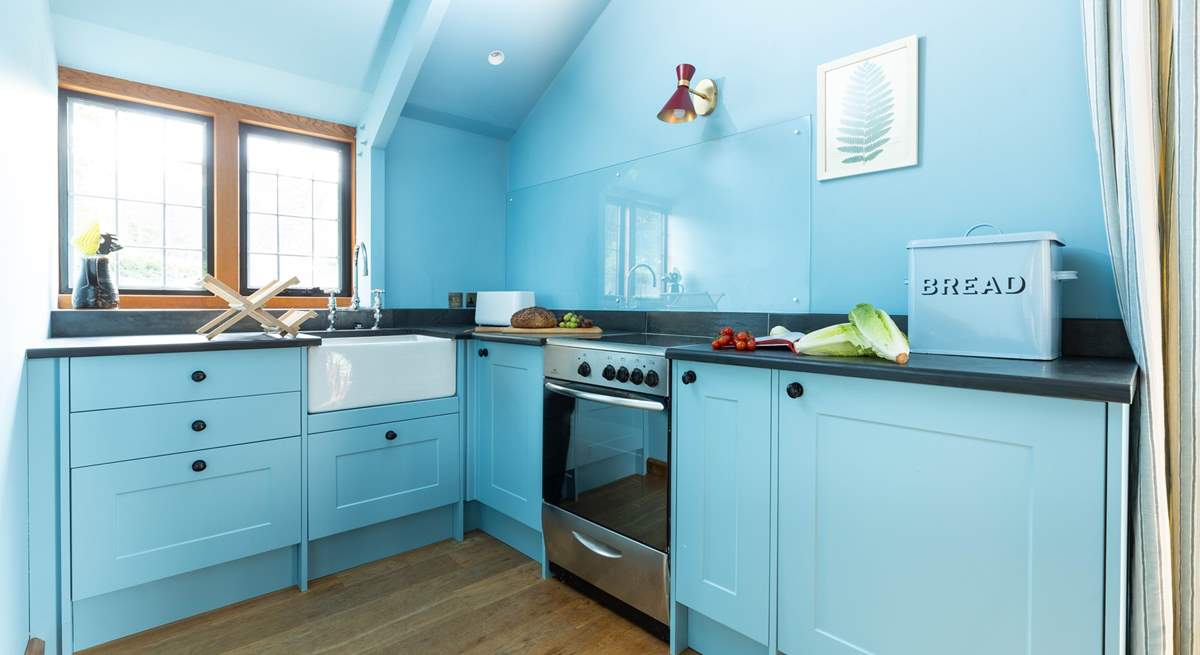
1142,78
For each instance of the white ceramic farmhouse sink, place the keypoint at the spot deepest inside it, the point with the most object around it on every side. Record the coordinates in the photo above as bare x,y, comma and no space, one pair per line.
349,372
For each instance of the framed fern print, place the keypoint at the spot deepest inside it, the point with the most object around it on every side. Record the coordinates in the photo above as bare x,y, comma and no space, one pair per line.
867,111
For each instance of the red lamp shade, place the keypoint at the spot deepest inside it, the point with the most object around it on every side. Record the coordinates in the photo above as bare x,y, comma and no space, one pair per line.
679,108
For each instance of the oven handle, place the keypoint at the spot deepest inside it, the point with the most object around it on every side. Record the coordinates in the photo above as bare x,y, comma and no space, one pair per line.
633,403
603,550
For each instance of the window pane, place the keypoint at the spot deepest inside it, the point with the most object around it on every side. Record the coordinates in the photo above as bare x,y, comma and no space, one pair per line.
325,239
325,200
140,223
295,235
185,228
143,173
301,267
294,214
325,272
260,193
262,236
295,196
295,159
184,268
185,184
261,155
140,268
185,141
261,270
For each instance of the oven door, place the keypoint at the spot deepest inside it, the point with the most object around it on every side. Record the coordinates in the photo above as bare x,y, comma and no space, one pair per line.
606,459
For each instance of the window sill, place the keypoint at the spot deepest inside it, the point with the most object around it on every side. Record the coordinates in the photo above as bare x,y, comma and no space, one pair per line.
135,301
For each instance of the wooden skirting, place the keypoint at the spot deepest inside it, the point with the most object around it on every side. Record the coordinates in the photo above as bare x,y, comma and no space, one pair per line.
656,467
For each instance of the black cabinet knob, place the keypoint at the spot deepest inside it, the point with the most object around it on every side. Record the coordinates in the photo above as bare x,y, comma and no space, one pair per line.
198,426
794,390
622,374
199,376
483,352
688,377
609,372
199,465
651,378
636,376
390,435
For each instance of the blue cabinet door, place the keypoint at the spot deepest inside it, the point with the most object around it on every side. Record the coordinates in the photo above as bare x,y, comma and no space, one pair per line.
938,521
722,489
372,474
506,408
146,519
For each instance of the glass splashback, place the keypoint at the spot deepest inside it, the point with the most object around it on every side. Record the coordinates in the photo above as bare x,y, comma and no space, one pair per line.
721,225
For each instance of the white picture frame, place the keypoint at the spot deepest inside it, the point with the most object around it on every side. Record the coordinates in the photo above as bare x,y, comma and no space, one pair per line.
867,110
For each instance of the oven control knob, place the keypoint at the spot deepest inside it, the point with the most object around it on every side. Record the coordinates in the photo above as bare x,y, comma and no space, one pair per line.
585,369
651,378
636,376
622,374
609,372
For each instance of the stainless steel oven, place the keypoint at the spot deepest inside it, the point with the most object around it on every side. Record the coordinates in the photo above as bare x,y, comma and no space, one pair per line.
606,461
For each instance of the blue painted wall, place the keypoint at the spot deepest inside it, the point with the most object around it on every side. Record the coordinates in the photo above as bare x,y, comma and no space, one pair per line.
1005,128
445,213
29,213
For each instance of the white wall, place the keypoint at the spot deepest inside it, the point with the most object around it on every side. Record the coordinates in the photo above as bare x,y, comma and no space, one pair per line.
29,219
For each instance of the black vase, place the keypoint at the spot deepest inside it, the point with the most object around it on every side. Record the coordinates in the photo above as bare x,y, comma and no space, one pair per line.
95,288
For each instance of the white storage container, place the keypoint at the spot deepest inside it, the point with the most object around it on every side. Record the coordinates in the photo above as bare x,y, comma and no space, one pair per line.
986,296
497,307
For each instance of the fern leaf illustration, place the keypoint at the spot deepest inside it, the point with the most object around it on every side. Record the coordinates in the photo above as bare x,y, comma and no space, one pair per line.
867,114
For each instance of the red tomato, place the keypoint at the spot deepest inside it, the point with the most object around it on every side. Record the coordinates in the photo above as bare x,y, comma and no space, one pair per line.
743,335
750,345
727,331
716,344
741,345
726,340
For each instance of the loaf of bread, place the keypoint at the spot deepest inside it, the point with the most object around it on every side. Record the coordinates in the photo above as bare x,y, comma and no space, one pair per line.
534,318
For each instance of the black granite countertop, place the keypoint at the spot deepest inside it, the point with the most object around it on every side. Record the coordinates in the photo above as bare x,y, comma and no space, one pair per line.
161,343
444,331
1083,378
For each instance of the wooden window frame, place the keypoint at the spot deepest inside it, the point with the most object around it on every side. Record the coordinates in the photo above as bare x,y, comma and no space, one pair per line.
227,118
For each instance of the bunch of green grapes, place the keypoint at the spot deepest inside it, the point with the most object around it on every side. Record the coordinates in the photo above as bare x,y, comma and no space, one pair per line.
573,320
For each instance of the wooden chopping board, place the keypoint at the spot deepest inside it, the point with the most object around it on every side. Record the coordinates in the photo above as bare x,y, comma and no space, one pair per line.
581,332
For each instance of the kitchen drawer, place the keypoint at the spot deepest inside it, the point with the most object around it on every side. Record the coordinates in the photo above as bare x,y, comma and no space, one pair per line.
368,475
113,435
131,380
148,519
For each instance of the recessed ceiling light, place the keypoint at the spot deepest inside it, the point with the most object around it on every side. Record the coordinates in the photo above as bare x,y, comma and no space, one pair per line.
496,57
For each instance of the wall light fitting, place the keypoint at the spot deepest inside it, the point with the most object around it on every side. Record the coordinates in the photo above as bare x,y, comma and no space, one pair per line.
682,107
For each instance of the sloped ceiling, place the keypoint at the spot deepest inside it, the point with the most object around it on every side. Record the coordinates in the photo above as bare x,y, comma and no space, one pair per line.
345,43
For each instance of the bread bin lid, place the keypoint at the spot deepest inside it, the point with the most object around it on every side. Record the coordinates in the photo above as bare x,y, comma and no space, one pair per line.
984,239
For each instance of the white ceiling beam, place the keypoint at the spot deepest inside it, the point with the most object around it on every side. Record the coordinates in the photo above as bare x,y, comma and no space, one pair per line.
414,37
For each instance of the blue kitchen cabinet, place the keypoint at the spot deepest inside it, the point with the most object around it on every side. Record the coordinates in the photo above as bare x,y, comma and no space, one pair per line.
938,521
506,427
152,518
367,475
722,494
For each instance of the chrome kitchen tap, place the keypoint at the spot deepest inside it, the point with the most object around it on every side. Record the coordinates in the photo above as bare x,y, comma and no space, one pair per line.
332,309
360,262
377,305
629,274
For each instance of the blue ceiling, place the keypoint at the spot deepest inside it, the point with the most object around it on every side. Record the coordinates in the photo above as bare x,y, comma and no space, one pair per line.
345,43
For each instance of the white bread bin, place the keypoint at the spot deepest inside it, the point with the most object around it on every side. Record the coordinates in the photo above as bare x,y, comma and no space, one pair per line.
497,307
986,296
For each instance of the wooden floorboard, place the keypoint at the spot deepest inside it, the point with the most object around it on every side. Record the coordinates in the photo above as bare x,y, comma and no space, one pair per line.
477,597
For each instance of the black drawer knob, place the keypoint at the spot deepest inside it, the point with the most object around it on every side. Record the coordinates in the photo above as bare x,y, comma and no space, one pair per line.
198,426
483,352
199,465
689,377
390,435
794,390
199,376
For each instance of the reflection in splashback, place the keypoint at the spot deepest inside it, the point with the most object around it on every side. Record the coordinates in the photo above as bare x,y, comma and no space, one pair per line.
723,225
